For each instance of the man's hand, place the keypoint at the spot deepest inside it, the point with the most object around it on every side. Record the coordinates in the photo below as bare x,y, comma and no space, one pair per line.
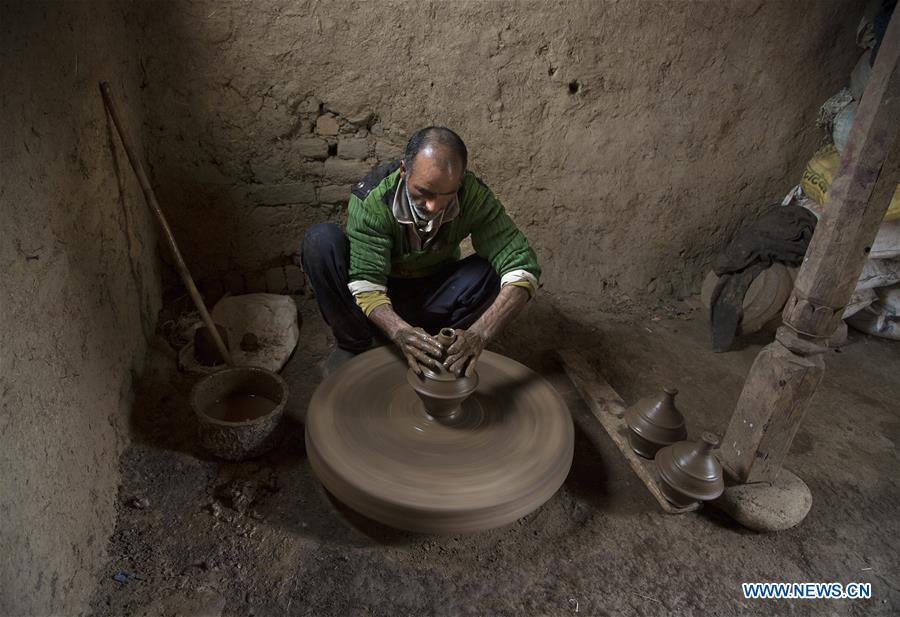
419,348
464,352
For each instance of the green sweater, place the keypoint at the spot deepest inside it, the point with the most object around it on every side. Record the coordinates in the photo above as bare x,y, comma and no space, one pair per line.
380,245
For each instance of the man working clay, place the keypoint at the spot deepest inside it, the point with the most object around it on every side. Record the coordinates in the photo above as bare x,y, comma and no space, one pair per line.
398,266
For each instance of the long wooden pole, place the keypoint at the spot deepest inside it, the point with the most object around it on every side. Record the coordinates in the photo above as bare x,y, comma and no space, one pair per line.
150,196
787,372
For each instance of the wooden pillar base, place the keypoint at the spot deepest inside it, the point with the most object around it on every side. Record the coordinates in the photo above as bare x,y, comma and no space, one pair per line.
775,397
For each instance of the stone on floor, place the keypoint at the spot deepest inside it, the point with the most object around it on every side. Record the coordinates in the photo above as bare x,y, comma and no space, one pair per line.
764,506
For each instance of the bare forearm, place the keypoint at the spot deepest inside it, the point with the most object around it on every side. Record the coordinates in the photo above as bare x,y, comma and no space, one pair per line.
390,322
507,305
420,349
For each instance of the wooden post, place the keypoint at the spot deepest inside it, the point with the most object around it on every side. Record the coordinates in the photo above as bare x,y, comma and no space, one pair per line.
785,374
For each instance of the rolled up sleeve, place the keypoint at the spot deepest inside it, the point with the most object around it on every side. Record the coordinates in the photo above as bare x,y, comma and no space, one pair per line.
496,238
369,232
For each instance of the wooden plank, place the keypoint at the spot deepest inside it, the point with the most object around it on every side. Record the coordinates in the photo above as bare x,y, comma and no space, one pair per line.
609,408
592,387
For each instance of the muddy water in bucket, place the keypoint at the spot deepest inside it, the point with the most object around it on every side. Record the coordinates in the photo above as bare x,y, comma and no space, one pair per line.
239,410
240,407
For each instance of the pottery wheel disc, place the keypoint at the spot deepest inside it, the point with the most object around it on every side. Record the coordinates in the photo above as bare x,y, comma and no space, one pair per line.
373,446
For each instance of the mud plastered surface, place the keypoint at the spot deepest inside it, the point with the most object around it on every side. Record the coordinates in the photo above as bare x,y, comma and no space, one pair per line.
628,140
263,538
80,293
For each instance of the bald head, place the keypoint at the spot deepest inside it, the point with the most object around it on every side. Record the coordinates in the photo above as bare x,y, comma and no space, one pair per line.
433,166
439,143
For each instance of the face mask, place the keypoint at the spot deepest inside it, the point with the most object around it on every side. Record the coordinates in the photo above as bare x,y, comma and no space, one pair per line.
420,212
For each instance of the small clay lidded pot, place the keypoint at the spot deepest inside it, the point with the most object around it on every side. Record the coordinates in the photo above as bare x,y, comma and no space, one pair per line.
655,424
689,471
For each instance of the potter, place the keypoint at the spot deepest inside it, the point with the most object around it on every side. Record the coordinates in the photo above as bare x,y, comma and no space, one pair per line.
396,273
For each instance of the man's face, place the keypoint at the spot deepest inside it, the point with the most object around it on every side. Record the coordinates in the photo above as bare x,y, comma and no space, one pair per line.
434,180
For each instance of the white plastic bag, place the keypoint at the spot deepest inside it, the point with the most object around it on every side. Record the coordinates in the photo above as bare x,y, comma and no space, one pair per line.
843,122
887,241
879,273
860,76
881,318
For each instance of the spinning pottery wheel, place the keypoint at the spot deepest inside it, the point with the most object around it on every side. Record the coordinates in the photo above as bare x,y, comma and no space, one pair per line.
495,457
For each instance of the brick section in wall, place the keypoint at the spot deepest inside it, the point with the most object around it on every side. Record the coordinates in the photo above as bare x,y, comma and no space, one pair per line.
303,178
287,279
319,159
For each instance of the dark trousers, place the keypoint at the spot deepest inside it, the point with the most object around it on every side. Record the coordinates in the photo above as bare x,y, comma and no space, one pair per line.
455,297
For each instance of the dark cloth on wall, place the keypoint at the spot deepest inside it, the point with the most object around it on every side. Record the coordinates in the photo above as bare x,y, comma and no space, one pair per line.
781,233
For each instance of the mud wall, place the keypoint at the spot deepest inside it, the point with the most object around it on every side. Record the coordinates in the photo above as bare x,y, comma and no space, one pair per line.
78,295
628,139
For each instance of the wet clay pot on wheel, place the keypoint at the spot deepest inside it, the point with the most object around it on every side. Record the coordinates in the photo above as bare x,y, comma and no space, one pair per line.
689,472
655,424
442,392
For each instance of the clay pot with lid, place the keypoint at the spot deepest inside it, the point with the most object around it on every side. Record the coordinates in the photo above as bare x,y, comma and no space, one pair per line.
689,471
442,392
655,423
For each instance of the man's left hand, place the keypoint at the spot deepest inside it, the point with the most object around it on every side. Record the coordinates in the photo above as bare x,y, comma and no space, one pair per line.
463,353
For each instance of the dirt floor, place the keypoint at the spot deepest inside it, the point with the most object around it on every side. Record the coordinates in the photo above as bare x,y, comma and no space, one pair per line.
200,537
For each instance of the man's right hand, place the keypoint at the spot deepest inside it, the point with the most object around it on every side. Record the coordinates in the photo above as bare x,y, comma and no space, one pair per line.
419,348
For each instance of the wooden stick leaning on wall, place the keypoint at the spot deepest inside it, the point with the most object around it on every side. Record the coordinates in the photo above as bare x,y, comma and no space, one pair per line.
150,196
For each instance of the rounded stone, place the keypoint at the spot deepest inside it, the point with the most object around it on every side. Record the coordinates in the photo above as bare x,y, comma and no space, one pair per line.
765,506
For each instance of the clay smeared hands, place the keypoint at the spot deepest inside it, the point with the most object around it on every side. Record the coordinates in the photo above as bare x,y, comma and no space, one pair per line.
419,348
463,353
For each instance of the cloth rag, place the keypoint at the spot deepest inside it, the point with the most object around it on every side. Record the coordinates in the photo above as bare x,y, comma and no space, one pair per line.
781,233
